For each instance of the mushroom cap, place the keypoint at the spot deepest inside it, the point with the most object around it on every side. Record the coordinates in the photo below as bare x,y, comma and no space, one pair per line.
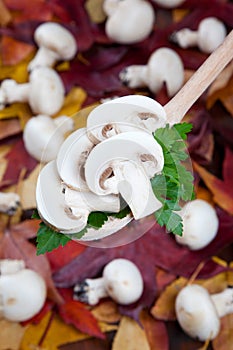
169,3
123,281
122,25
42,139
211,33
46,94
74,150
165,66
22,295
56,38
123,114
196,313
200,224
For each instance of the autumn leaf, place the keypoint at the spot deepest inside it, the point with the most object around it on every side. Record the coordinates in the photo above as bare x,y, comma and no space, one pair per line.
222,189
224,339
13,51
11,335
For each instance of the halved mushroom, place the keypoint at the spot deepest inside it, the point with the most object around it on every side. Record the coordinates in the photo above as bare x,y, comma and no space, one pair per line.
54,210
124,164
123,114
71,158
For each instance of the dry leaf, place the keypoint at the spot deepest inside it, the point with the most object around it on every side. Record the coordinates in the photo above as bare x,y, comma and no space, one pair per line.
58,333
18,72
13,51
11,335
224,340
80,118
95,10
9,128
27,189
130,336
73,102
179,14
17,110
5,15
106,311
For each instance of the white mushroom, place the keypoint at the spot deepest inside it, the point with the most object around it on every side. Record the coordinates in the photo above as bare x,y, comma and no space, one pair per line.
56,202
209,35
22,291
44,92
55,43
121,280
123,114
169,3
128,21
163,66
71,159
43,136
124,164
199,312
200,224
9,202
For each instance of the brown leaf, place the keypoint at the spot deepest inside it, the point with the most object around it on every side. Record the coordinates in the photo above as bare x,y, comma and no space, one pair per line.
11,335
5,15
9,128
224,340
13,51
130,336
156,331
106,311
95,10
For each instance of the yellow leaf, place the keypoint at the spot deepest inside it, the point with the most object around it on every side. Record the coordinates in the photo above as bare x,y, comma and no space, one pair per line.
95,10
11,335
130,336
73,102
179,14
58,333
27,189
106,312
17,110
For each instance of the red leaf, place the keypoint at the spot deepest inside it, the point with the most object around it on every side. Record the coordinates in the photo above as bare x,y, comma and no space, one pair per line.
75,313
18,159
13,51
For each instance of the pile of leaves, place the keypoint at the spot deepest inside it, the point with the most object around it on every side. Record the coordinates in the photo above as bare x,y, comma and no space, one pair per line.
166,266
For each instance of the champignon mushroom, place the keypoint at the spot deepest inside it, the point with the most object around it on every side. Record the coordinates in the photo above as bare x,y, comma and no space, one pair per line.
55,206
44,92
22,291
71,159
128,21
124,164
209,35
123,114
9,202
164,66
121,280
169,3
55,42
200,224
199,312
43,136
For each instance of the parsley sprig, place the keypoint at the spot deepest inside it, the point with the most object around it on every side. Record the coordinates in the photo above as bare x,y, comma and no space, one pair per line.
175,183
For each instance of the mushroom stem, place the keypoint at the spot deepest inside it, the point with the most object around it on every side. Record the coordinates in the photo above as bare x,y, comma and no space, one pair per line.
44,57
185,38
90,291
9,202
177,107
11,91
223,302
139,72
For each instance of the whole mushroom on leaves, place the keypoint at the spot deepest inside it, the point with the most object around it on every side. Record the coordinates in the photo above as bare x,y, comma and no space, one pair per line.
163,67
199,312
121,280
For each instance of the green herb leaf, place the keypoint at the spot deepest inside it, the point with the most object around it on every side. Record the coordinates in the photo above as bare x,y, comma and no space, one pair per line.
35,215
48,239
96,219
175,183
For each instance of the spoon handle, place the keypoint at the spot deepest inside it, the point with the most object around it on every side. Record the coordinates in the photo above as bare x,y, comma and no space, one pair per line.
178,106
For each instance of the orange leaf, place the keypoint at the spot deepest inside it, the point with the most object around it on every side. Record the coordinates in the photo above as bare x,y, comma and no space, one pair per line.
75,313
221,189
13,51
156,332
224,339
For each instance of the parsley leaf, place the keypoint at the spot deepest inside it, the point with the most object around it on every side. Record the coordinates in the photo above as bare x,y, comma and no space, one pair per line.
175,183
96,219
48,239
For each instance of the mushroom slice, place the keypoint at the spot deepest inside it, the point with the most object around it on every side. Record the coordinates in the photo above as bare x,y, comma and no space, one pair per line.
54,205
124,164
123,114
71,158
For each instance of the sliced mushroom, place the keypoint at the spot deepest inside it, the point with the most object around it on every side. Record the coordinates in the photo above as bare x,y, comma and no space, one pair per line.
123,114
124,164
53,208
71,158
163,66
55,43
